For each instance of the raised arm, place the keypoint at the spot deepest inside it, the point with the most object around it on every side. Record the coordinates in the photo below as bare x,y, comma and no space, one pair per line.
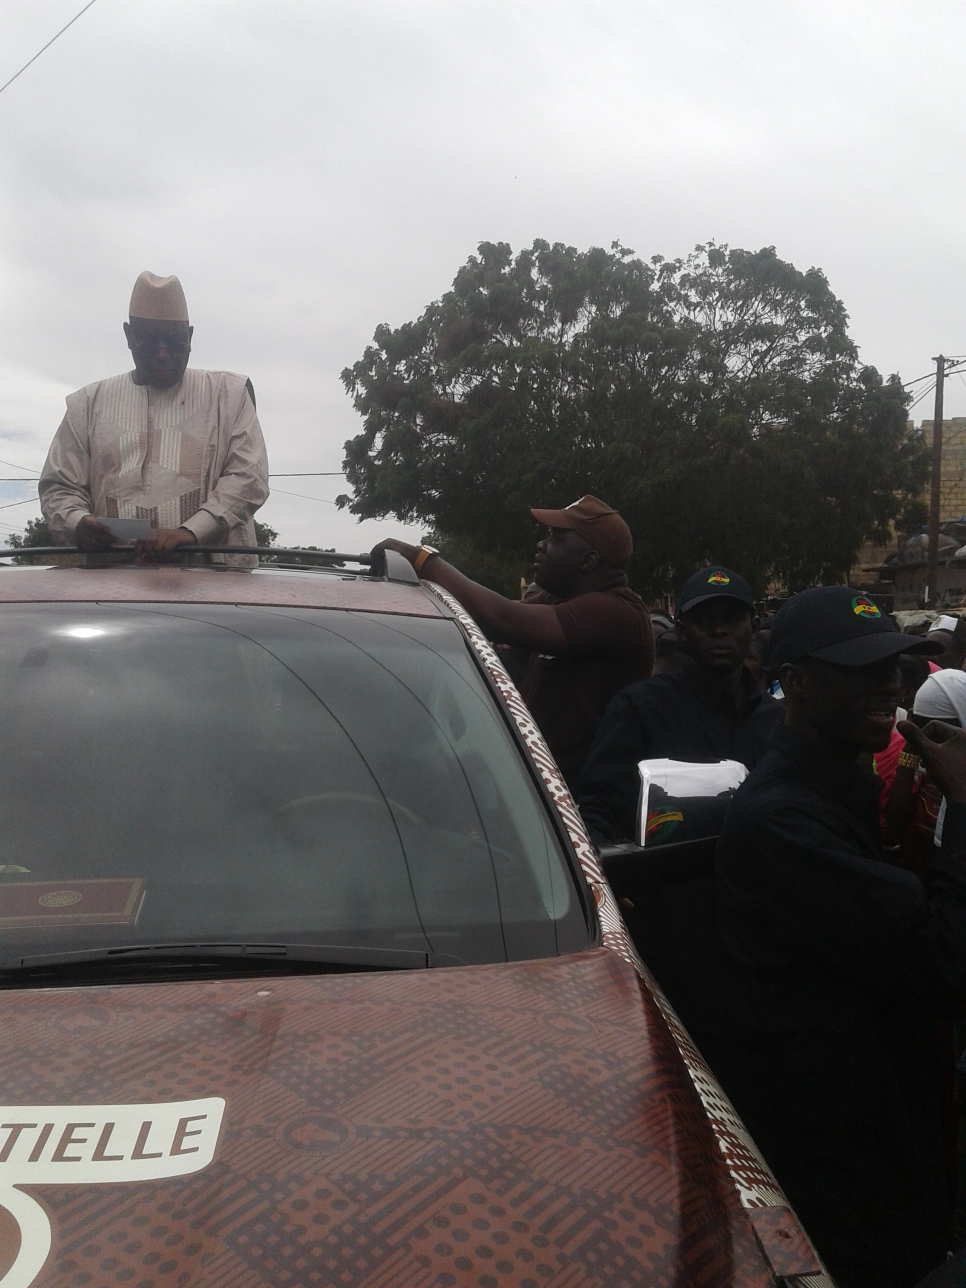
509,621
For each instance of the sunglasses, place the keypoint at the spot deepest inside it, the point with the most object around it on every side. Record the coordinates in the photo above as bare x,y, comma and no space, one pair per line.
175,345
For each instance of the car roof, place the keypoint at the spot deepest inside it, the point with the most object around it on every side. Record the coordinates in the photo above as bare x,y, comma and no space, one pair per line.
177,585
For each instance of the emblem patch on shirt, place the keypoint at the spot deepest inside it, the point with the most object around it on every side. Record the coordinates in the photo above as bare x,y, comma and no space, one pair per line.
863,607
87,1145
719,579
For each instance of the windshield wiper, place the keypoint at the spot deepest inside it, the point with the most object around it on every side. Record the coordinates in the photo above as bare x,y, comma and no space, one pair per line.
301,956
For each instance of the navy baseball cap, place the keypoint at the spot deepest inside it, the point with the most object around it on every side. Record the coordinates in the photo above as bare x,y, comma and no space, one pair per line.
712,583
838,624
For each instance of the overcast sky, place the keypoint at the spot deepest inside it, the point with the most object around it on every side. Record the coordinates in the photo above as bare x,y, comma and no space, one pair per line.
311,170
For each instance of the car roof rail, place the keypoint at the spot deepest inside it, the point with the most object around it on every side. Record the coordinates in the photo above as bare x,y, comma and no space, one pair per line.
127,552
398,568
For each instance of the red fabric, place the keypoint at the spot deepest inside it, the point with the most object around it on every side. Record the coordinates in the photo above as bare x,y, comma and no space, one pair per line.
885,764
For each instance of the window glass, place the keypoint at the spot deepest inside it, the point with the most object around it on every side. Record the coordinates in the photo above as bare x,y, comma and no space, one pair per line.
278,775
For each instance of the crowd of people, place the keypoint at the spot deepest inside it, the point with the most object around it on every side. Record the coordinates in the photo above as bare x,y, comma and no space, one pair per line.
839,927
840,869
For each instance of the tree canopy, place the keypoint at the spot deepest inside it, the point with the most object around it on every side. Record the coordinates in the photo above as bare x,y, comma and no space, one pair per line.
36,533
717,401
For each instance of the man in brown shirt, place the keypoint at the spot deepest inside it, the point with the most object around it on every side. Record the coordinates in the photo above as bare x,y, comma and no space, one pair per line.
587,633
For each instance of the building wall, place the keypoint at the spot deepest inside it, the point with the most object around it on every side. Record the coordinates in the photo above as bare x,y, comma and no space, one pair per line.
952,491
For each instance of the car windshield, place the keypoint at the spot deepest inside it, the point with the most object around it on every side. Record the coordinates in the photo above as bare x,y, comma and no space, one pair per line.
175,774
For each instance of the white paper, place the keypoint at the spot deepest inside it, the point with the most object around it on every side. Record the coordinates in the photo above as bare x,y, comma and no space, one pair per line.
683,778
127,529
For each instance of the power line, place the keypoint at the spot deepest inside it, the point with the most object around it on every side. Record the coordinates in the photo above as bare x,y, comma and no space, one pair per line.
931,375
14,466
957,370
31,500
925,393
47,46
279,492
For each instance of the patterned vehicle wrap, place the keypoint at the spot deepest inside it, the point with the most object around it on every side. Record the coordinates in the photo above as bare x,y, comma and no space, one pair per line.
756,1186
501,1126
516,1125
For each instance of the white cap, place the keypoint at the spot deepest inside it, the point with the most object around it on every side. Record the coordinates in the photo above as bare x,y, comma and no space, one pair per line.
160,299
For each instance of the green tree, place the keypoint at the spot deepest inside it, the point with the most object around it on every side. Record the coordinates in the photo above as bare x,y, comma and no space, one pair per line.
717,401
36,533
264,535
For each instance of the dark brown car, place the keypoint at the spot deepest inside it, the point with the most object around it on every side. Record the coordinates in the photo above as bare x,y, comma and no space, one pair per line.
310,975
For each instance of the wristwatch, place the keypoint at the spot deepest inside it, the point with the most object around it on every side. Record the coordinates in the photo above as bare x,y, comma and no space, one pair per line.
422,555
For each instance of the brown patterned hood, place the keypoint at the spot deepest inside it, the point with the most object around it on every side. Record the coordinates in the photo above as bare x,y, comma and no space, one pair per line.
510,1125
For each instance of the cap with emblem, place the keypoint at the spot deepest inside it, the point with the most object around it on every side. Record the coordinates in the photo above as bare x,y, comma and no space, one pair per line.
600,526
712,583
836,624
158,299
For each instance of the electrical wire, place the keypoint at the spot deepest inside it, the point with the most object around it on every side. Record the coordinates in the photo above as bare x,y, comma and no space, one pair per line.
954,371
14,466
931,375
47,46
925,393
31,500
279,492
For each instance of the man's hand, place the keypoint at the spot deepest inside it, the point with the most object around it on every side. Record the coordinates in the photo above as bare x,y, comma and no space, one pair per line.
91,535
531,626
942,749
164,542
379,560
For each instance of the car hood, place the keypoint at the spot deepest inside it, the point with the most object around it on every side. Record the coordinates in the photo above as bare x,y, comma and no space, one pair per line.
521,1124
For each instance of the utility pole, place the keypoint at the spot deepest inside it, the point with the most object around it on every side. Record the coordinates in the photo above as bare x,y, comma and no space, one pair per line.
937,466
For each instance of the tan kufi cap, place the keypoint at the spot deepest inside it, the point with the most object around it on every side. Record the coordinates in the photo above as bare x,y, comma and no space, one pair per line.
160,299
599,525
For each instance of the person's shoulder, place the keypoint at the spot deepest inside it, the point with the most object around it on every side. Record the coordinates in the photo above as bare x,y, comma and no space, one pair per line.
769,708
625,593
773,791
611,609
229,388
621,595
228,379
773,771
653,689
110,386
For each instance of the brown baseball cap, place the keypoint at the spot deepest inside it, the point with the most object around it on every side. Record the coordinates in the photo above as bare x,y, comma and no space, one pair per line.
601,527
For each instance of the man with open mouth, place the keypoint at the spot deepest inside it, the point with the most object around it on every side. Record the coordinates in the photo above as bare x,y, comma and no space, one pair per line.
843,962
